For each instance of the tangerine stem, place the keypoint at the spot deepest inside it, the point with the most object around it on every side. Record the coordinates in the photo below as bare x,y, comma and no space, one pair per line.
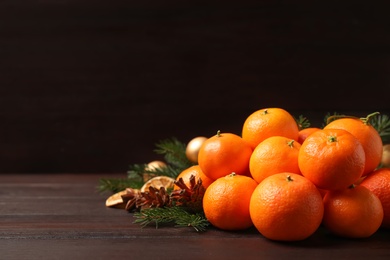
232,174
332,139
366,120
288,178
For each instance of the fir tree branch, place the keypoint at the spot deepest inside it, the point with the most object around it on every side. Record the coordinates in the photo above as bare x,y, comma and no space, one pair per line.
176,159
174,153
168,215
302,122
167,170
136,171
331,117
115,185
382,124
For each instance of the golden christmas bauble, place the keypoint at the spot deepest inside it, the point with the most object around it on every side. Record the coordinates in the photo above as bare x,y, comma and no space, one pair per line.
193,147
152,166
386,156
155,165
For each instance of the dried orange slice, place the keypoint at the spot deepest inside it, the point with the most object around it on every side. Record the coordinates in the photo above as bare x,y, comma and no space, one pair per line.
158,182
119,199
115,200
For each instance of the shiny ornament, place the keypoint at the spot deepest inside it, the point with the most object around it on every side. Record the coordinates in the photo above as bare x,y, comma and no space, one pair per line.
193,147
386,155
153,165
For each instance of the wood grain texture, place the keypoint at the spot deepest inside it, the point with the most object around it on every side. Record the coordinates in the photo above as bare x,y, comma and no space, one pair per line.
60,216
91,86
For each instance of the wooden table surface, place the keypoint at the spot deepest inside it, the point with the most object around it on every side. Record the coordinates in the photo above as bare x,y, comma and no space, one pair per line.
63,216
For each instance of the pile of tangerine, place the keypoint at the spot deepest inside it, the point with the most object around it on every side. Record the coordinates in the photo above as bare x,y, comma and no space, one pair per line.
286,182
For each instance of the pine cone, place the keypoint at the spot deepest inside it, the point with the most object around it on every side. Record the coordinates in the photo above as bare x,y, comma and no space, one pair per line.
149,199
153,198
130,197
189,197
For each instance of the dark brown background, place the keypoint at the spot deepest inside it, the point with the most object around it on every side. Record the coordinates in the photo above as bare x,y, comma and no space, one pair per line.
91,86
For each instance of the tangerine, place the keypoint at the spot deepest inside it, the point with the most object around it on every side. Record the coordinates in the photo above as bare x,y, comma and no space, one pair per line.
379,183
273,155
303,133
226,202
355,212
268,122
332,159
223,154
366,134
286,207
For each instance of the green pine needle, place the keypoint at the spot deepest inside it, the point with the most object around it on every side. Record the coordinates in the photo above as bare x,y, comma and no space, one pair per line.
115,185
168,170
174,153
171,215
136,171
381,123
331,117
302,122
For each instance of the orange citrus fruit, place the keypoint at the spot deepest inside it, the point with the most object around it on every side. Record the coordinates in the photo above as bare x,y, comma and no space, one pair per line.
368,137
355,212
226,202
273,155
303,133
223,154
379,183
286,207
268,122
197,172
332,159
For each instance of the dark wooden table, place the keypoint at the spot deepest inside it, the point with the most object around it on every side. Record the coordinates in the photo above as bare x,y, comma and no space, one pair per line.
62,216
